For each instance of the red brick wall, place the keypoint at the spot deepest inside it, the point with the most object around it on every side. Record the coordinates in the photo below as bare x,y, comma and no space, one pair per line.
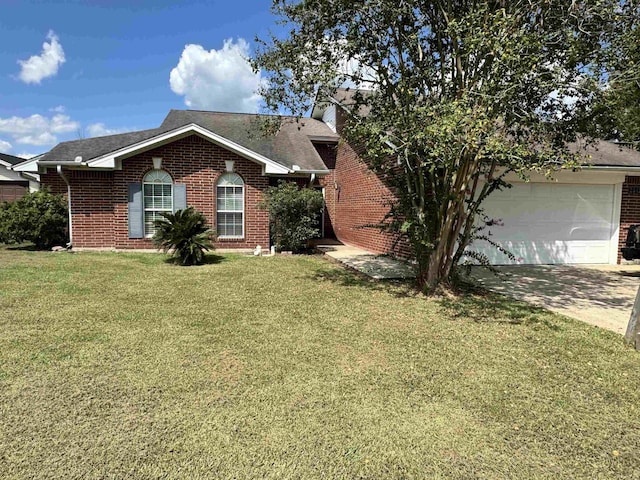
99,199
629,209
92,217
358,199
92,205
52,180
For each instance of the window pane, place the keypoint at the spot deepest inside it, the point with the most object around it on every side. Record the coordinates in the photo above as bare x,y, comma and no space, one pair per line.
158,197
165,202
149,218
230,206
157,176
229,224
230,199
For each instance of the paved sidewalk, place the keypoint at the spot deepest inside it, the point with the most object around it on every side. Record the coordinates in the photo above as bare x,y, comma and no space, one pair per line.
380,267
600,295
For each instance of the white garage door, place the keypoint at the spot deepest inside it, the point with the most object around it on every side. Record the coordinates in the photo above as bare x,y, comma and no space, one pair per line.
551,223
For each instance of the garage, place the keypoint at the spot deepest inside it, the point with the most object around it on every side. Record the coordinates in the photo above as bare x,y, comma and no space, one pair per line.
554,223
10,191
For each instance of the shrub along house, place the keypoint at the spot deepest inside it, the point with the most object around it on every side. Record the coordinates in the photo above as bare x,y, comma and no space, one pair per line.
220,163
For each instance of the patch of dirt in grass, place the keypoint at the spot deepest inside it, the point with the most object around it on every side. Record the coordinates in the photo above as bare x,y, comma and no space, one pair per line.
227,367
354,361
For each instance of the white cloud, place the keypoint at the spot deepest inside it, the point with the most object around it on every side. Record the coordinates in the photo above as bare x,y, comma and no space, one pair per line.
356,74
100,130
37,129
217,79
39,67
4,146
26,156
58,109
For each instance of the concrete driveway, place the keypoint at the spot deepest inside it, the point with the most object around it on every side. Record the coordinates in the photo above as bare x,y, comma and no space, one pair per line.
600,295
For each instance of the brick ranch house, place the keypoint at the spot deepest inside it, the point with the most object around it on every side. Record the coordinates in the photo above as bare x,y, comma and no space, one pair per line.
220,164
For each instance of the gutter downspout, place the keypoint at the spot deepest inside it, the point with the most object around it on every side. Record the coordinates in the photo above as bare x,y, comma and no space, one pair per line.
66,180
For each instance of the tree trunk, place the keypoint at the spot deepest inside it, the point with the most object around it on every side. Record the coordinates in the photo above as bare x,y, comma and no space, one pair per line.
632,337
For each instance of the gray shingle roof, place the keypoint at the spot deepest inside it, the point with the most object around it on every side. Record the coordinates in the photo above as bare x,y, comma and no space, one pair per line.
340,96
607,154
290,146
89,148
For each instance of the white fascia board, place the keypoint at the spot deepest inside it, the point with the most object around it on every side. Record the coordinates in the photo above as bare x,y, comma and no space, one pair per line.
611,168
317,172
30,165
34,177
110,160
324,138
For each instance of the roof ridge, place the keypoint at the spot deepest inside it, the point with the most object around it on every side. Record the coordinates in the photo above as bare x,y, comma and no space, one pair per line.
237,113
108,136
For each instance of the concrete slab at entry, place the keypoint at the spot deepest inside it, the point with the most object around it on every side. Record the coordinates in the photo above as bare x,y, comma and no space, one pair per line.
380,267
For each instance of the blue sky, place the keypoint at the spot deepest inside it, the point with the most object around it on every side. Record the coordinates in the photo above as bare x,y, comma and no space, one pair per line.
72,69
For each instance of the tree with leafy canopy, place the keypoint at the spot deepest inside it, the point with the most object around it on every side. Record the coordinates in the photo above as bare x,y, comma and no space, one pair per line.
459,94
618,112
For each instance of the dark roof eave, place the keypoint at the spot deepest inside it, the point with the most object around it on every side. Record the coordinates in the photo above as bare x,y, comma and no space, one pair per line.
620,168
53,163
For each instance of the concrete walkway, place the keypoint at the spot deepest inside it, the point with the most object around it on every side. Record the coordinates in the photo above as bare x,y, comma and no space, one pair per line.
380,267
600,295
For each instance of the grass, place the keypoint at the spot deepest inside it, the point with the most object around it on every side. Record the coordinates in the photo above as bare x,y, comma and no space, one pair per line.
125,366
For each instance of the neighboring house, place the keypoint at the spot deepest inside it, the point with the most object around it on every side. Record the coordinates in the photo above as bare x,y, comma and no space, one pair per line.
13,185
221,164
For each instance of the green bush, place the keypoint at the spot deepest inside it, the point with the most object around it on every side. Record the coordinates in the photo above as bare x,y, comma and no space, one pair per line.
186,233
38,217
294,214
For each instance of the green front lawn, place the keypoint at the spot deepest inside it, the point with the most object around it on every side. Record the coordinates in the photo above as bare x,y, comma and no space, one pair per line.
124,366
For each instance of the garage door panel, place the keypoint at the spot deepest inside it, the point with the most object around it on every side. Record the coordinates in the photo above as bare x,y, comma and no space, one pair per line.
555,232
11,191
551,252
551,223
551,210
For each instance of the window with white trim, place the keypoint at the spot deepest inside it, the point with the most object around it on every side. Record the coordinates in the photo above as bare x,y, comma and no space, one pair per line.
230,206
157,187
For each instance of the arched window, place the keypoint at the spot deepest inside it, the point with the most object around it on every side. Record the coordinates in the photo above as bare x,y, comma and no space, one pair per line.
157,186
230,206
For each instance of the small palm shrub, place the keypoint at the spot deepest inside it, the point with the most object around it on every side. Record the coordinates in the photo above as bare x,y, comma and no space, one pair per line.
186,233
